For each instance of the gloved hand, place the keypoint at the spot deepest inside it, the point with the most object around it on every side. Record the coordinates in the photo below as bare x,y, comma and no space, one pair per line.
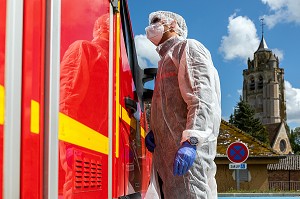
184,158
150,143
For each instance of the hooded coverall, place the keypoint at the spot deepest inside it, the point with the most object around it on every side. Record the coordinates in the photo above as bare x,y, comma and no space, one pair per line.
186,102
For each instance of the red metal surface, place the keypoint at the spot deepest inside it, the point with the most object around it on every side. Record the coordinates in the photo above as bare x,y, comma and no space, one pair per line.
146,157
84,63
84,88
84,68
2,62
83,173
133,165
32,87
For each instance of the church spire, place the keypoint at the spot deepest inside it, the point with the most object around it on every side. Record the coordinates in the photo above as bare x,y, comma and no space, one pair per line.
263,45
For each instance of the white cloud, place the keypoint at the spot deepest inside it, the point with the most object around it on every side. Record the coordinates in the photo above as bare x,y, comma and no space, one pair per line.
292,103
241,41
278,53
147,55
282,11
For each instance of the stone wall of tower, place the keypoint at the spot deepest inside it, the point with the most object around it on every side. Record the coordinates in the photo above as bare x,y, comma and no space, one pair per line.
272,114
280,79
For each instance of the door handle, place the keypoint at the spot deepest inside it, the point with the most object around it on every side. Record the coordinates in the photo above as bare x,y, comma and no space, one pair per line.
130,104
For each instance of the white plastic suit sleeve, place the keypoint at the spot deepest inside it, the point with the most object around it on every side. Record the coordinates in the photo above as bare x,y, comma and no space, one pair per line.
200,88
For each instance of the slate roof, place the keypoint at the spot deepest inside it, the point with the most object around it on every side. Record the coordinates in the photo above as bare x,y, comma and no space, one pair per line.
290,163
263,45
273,131
229,134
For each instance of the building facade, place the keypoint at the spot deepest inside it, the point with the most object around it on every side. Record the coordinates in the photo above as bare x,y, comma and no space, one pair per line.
285,175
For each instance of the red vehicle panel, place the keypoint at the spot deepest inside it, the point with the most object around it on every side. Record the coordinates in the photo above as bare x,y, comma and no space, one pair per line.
101,121
32,99
84,97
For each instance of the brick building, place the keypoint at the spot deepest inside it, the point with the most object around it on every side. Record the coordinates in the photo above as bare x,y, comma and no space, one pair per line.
285,175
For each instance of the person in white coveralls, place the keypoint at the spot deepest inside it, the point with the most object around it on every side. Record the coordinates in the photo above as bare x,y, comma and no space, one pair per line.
185,111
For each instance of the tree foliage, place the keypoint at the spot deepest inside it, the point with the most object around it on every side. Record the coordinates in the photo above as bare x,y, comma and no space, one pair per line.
295,140
244,119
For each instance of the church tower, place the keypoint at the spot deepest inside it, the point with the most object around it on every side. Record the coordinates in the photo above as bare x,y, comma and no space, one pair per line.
263,89
263,86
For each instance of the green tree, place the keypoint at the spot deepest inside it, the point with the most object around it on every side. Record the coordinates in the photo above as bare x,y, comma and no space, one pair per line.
244,119
295,140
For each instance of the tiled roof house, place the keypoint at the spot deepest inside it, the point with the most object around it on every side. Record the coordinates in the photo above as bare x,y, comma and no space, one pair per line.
229,134
278,136
291,162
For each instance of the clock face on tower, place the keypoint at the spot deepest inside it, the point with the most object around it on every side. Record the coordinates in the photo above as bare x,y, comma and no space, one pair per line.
282,145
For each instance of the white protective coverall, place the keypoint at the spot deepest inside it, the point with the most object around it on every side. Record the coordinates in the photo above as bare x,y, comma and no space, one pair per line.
186,102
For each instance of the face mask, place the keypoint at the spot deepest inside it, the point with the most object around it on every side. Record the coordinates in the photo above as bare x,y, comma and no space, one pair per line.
155,33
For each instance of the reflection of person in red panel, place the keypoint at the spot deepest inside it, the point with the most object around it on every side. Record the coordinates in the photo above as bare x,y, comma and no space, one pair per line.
83,89
81,70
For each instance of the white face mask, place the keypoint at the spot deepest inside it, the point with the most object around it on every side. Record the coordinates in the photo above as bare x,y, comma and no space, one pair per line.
155,33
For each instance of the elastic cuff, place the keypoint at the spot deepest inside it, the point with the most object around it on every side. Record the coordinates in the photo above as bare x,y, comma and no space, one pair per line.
186,134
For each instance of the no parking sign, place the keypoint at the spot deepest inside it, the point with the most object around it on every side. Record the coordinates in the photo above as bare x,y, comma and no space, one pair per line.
237,152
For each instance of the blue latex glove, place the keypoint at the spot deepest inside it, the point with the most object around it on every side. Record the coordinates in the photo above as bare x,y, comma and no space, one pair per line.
149,140
184,158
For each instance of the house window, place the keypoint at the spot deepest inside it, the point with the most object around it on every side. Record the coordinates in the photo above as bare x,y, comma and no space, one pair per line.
282,145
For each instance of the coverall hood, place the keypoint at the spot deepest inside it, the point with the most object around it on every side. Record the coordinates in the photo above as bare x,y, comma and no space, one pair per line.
167,17
101,28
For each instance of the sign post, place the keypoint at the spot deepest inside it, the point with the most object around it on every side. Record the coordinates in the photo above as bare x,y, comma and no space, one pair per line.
237,153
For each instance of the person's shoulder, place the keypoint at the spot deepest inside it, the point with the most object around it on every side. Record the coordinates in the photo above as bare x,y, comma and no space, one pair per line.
197,46
82,44
195,43
79,47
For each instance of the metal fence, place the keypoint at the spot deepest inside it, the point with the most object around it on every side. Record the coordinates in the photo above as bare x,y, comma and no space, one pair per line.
284,185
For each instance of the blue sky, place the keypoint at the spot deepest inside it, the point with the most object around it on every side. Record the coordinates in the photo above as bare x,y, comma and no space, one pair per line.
231,30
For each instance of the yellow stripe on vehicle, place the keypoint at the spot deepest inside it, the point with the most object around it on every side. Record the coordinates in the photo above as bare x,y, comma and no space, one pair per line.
76,133
35,117
126,118
2,104
143,132
131,121
117,83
